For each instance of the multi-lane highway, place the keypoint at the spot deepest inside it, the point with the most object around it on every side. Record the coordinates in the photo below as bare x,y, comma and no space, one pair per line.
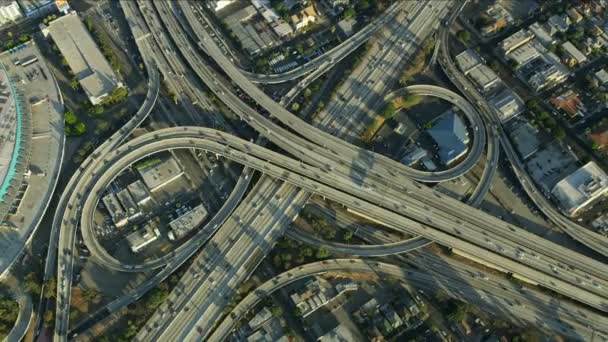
531,306
512,249
587,237
63,233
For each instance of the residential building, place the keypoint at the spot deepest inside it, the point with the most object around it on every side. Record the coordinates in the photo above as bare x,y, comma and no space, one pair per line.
187,222
574,15
9,11
541,33
581,189
306,16
570,103
515,40
558,23
90,67
451,136
573,56
507,104
260,318
278,25
601,77
159,173
498,17
142,237
317,293
347,27
600,137
340,333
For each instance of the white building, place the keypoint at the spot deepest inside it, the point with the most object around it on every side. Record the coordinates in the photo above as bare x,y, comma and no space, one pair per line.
515,40
141,238
91,68
9,11
574,55
218,5
508,104
580,189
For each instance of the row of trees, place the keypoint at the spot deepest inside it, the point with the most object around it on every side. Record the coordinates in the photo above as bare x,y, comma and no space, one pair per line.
9,310
543,119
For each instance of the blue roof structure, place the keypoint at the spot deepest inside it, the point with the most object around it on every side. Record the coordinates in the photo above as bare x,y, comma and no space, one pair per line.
451,135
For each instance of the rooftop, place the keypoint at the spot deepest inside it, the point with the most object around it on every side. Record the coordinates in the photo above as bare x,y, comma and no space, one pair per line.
83,56
573,52
188,222
159,173
450,133
580,188
467,60
141,238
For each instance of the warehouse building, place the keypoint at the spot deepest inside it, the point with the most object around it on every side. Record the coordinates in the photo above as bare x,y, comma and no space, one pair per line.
452,137
159,173
581,189
94,73
187,222
141,238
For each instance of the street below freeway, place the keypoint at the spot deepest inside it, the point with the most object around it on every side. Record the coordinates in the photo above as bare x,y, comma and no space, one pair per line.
535,307
539,269
585,236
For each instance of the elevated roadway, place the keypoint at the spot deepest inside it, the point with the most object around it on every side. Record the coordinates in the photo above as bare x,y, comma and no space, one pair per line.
65,222
537,306
587,237
312,179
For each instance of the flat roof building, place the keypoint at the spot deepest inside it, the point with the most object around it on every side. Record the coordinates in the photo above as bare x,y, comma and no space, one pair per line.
507,104
139,192
187,222
541,33
525,138
94,73
580,189
467,60
525,53
451,135
601,77
9,11
515,40
485,78
142,237
115,209
128,203
159,173
412,155
573,55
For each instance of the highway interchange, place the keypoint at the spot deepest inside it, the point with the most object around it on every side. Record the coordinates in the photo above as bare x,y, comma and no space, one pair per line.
333,169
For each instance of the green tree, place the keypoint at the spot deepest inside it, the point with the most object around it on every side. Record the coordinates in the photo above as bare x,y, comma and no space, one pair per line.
295,107
79,128
322,253
349,13
74,84
388,110
347,235
32,284
24,37
102,126
299,47
307,93
464,35
48,318
70,118
51,288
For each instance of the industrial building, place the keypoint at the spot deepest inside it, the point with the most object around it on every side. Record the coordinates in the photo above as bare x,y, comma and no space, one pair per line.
526,52
253,36
187,222
9,11
128,203
94,73
115,209
525,138
159,173
467,60
451,136
507,104
140,193
142,237
581,189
